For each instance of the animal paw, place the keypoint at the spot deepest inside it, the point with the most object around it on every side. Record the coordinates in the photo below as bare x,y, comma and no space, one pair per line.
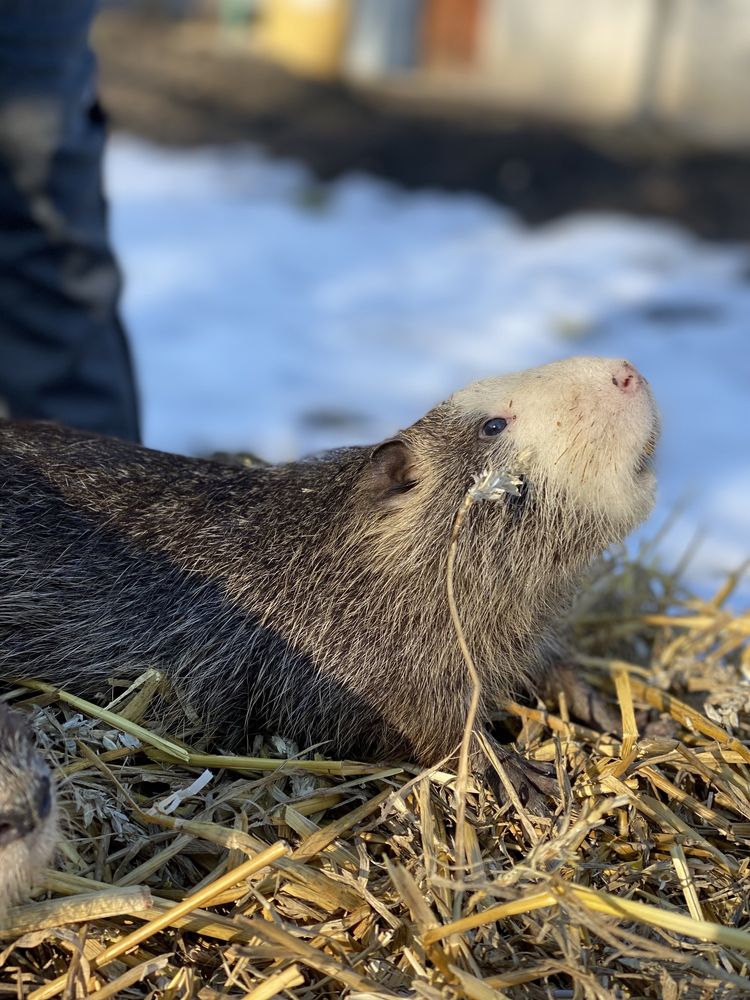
585,703
535,782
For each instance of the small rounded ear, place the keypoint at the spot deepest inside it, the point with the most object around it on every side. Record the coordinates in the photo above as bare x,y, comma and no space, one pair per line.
392,469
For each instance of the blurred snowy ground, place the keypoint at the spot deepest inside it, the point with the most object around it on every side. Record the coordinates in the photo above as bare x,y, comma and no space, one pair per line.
271,314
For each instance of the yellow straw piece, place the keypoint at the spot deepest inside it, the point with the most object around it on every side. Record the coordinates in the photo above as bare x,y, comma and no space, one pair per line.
600,902
627,712
112,719
193,902
274,985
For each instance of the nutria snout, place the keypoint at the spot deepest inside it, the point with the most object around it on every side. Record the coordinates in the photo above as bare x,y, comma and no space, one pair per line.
310,598
28,811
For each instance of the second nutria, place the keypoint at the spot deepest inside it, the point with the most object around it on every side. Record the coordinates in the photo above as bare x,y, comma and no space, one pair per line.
28,811
310,598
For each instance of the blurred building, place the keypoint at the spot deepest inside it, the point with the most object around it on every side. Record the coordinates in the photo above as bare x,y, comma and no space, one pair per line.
678,62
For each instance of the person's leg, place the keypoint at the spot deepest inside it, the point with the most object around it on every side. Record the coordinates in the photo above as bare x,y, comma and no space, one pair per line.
63,353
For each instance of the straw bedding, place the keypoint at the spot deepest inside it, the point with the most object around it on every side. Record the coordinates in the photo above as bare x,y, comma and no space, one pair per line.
186,873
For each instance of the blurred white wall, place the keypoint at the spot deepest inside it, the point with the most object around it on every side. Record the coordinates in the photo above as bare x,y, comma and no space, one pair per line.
681,62
581,57
704,83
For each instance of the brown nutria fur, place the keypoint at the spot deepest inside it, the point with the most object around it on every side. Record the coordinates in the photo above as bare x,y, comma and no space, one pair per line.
309,599
28,810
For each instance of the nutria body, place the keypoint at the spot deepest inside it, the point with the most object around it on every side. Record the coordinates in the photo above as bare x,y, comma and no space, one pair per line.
310,598
28,811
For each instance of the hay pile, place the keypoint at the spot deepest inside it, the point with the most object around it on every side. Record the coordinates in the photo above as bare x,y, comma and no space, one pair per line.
184,873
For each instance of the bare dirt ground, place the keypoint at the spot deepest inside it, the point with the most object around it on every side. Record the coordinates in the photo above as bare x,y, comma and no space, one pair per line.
176,84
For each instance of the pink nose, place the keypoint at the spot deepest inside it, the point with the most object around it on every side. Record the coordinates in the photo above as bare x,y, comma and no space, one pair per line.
627,378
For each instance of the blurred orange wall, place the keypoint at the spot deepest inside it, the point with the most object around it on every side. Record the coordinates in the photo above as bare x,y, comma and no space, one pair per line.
450,29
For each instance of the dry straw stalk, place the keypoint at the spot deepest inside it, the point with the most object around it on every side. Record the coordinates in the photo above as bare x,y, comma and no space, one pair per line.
405,884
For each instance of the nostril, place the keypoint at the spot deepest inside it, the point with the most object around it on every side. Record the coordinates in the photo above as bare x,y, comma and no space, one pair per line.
627,378
13,826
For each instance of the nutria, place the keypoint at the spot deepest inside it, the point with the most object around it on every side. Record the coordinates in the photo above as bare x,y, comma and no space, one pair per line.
28,811
309,598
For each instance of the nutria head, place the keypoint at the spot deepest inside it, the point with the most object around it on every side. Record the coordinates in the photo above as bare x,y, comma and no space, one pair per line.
583,429
28,811
580,434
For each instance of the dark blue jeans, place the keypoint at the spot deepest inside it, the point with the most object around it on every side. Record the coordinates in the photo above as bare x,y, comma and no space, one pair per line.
63,353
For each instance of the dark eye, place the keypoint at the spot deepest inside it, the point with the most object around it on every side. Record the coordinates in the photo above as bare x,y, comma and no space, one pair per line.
494,426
